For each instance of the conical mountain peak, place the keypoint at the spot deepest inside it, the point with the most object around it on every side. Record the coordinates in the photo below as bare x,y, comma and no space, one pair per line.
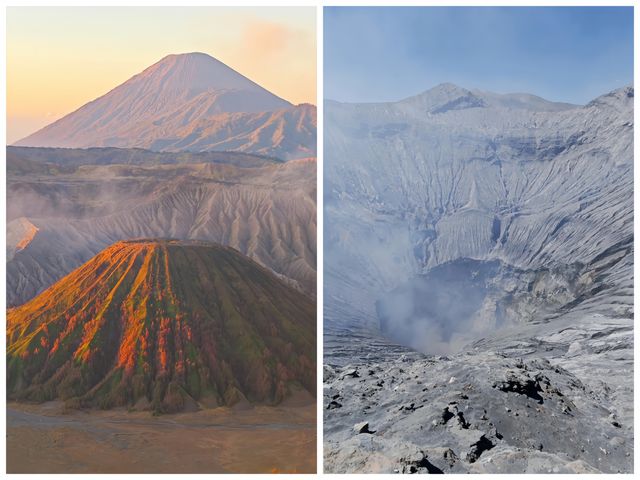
166,323
196,72
188,101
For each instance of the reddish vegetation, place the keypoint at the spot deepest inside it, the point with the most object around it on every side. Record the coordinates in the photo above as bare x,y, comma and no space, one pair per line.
167,323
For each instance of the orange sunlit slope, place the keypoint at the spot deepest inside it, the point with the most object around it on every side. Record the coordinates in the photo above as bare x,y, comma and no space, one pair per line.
163,323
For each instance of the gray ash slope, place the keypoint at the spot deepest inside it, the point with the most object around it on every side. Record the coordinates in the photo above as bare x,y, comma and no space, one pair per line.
524,208
66,205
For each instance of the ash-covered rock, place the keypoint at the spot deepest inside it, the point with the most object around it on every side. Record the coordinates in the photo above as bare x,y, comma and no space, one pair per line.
502,413
496,239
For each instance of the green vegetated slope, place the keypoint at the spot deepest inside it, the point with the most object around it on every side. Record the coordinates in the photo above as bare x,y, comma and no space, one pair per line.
163,324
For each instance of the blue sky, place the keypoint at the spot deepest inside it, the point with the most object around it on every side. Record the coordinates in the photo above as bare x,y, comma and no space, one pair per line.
570,54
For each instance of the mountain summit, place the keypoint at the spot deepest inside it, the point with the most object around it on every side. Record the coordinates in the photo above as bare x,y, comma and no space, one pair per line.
198,72
187,76
163,324
188,102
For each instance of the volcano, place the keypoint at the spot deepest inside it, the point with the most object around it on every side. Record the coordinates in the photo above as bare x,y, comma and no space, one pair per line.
187,102
163,325
479,261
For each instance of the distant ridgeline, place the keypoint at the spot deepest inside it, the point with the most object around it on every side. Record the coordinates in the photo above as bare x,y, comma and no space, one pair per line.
22,159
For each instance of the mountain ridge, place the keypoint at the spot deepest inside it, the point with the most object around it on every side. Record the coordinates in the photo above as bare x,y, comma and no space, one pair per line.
456,91
90,199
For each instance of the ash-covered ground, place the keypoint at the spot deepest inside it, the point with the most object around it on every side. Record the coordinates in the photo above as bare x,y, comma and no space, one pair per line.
479,284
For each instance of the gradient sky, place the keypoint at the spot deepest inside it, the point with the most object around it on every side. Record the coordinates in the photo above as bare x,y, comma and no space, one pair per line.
59,58
569,54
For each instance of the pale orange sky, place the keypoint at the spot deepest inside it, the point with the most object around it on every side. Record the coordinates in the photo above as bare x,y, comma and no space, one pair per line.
59,58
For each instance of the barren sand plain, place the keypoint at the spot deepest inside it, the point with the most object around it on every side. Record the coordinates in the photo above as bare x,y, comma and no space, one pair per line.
46,439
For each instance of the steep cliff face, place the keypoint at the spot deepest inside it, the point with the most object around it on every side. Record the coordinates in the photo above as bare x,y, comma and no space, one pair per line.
479,264
453,174
164,324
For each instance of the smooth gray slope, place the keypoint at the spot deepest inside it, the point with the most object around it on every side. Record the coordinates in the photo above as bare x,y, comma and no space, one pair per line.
530,204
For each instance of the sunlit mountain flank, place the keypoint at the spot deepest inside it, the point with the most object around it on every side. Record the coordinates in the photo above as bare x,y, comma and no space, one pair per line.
163,325
187,102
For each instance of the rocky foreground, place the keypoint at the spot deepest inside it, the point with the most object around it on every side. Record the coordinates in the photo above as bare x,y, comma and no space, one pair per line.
556,401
